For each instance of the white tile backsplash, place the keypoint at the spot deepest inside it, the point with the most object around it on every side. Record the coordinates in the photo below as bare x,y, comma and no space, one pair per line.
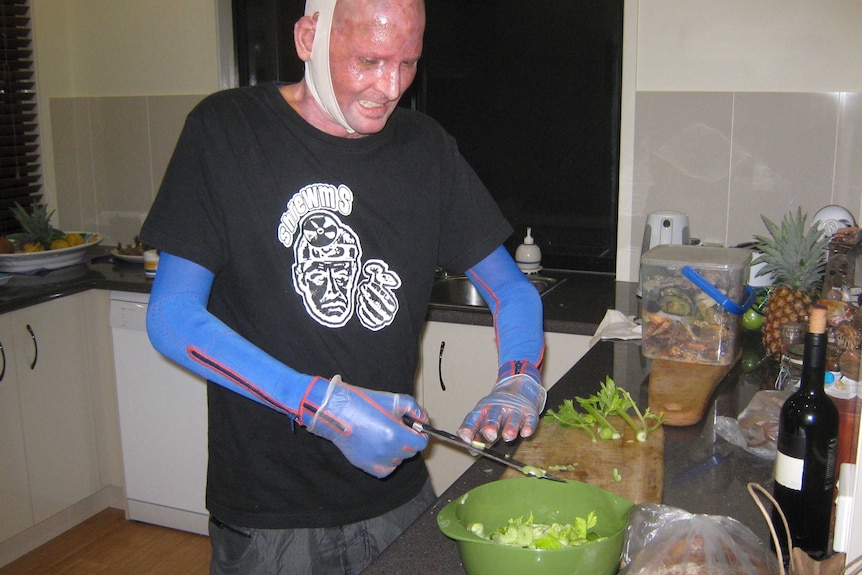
783,158
682,159
122,154
110,154
848,154
725,158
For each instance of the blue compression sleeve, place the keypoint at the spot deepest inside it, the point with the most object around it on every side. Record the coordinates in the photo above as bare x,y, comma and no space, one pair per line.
515,305
181,328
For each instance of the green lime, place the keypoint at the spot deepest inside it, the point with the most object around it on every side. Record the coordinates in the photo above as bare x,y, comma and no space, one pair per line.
750,361
752,320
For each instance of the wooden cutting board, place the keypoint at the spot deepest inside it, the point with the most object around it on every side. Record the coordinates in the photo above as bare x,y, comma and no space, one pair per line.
682,390
640,465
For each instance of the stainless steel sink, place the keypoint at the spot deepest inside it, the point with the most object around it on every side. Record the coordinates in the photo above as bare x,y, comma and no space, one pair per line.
458,292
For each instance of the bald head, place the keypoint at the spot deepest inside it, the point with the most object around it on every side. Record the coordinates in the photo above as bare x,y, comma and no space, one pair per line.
358,67
378,17
364,11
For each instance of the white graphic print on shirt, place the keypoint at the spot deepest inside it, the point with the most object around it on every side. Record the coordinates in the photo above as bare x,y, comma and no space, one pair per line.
328,272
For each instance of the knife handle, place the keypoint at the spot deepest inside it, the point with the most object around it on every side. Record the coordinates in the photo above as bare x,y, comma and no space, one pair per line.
412,423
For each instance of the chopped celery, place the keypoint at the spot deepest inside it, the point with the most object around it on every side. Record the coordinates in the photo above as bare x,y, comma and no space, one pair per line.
531,535
610,400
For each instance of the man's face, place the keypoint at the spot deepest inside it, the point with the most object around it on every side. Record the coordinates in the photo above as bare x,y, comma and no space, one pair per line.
374,49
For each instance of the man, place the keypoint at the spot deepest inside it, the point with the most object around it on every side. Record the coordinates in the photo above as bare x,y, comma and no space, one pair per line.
299,227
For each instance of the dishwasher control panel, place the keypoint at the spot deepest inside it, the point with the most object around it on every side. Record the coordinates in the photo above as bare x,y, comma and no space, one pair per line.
128,315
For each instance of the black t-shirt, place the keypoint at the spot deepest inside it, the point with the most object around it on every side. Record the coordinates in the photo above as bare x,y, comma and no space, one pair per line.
323,250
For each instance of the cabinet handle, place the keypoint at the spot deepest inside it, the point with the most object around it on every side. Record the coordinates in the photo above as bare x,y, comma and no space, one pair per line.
3,357
440,365
35,347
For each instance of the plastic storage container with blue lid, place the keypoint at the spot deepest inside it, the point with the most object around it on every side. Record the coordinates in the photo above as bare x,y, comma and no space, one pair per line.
693,299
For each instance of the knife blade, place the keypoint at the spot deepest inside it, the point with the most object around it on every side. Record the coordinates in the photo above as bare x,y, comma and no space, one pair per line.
477,447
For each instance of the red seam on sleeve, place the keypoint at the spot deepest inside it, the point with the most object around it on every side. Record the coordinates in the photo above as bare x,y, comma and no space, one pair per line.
203,359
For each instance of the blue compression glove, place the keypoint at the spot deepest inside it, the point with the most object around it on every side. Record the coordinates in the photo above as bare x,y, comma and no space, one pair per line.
516,400
364,424
513,406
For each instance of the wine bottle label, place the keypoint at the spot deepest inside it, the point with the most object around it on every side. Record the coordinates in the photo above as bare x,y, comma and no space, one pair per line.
789,470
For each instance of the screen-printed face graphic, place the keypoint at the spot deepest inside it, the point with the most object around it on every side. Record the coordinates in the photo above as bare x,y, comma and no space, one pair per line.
327,258
328,272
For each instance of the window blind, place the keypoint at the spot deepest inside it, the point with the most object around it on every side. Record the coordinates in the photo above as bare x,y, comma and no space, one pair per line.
20,174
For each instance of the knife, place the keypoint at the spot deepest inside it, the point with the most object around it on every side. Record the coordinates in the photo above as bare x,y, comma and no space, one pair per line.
480,448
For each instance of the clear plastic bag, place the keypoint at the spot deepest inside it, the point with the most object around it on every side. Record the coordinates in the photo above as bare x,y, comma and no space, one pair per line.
663,540
756,430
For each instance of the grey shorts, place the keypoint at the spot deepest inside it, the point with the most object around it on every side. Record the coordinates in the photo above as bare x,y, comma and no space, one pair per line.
344,550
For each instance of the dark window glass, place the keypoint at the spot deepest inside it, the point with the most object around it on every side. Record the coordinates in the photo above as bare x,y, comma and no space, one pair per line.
531,91
263,36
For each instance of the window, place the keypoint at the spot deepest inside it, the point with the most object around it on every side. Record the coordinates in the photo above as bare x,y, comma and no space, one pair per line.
531,90
20,176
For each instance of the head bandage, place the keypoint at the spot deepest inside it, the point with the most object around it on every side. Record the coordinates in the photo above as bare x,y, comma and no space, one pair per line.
317,73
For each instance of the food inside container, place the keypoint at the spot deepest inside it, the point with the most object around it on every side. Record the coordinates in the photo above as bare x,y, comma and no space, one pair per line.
664,540
693,299
526,502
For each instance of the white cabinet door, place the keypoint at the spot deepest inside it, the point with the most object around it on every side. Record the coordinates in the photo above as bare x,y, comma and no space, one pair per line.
56,405
15,508
562,351
467,366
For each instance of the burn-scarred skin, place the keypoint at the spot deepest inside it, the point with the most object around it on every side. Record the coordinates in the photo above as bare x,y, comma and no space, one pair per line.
372,63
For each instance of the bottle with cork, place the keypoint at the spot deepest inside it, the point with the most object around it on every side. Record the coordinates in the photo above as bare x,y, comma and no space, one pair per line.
805,464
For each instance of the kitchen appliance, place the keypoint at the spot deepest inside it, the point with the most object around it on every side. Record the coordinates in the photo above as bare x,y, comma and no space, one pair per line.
163,425
666,227
832,218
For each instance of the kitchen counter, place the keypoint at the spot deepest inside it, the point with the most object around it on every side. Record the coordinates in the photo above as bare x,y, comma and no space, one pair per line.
575,305
99,273
703,473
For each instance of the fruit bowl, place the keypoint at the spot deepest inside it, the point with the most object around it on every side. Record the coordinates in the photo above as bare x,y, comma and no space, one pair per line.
29,262
493,504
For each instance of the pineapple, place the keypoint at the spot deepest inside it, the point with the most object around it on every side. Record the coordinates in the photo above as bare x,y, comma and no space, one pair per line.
38,234
796,256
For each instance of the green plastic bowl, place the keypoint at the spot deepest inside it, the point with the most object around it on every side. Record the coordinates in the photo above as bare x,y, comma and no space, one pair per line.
495,503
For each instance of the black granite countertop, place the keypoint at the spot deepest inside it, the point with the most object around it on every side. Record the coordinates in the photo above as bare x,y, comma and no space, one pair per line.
576,305
703,473
100,272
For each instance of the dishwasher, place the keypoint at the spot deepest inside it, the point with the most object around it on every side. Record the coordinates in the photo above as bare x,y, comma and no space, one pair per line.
163,425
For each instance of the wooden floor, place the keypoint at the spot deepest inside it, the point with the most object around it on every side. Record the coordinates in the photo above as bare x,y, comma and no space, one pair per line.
107,543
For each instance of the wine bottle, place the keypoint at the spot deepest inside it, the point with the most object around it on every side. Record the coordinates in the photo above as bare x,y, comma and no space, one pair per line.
807,449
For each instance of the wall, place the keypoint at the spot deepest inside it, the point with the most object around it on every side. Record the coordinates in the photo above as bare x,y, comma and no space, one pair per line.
115,81
734,109
731,108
